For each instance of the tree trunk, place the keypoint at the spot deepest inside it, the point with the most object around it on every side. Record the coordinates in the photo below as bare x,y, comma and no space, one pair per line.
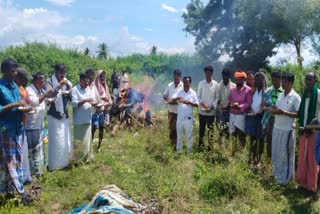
297,44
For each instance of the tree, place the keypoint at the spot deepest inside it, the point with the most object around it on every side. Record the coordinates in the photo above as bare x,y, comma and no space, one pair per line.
287,21
220,31
103,52
154,50
86,52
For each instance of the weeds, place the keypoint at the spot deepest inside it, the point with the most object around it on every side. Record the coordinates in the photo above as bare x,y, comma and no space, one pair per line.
142,163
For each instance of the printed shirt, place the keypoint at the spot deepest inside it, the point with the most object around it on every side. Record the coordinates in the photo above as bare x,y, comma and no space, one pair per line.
270,99
186,111
35,120
290,103
208,93
224,91
170,91
82,114
243,97
10,121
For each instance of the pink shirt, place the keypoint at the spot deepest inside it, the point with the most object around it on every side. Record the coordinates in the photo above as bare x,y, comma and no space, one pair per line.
243,97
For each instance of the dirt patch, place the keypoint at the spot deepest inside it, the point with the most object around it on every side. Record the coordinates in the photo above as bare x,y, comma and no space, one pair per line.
106,170
56,208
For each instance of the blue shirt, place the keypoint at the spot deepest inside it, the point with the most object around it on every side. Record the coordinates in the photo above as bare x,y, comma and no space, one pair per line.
132,97
10,121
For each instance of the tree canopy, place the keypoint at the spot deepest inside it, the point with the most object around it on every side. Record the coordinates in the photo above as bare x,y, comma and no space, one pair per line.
248,30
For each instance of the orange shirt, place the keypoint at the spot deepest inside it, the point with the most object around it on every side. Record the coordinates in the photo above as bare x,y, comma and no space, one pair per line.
23,95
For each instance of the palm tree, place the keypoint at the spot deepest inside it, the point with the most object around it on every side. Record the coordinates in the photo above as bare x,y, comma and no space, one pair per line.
103,52
86,52
154,50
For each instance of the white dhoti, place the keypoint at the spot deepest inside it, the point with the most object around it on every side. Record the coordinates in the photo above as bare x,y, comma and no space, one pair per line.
60,143
237,121
82,142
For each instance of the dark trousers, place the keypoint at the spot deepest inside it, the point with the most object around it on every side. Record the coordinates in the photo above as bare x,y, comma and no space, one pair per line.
205,121
269,129
256,149
172,118
241,135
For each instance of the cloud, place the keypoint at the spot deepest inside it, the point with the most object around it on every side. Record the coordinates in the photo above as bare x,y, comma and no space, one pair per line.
18,26
127,43
287,54
37,24
169,9
26,23
61,2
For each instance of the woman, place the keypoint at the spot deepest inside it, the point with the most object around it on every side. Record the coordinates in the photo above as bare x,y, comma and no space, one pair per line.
101,117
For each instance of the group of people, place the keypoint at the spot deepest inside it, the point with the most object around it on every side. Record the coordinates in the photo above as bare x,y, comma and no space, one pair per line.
249,108
22,113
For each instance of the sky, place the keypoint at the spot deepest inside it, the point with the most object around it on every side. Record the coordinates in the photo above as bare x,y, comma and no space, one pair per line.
127,26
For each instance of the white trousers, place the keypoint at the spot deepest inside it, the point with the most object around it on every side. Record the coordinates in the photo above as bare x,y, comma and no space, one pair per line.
184,126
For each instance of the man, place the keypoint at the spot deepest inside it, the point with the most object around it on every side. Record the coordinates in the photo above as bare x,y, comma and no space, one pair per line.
22,80
270,99
187,99
60,144
124,78
239,100
208,94
254,117
35,123
250,79
224,90
308,169
115,82
11,177
82,100
171,89
283,136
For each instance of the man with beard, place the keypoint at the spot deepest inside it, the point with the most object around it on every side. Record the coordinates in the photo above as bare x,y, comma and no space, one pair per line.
253,118
308,169
239,101
60,144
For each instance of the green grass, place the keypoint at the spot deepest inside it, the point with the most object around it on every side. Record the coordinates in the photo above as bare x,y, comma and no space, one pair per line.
142,164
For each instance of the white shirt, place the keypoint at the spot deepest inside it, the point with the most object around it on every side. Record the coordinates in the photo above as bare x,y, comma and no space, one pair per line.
256,102
208,93
186,111
224,91
170,91
290,103
35,120
81,114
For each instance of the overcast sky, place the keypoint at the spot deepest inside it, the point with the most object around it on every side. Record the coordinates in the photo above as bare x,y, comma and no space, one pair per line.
127,26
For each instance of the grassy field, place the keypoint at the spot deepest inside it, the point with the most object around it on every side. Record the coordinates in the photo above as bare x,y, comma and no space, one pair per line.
142,164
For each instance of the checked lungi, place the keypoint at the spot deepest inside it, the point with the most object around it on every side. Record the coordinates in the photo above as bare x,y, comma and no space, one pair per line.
11,174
